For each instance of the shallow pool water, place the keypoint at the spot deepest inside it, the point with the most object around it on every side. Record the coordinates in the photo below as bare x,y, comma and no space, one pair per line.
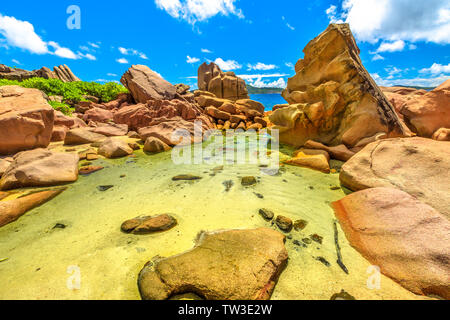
42,261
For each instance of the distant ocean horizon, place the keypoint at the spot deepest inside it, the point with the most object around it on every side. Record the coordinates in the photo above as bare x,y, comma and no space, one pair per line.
268,100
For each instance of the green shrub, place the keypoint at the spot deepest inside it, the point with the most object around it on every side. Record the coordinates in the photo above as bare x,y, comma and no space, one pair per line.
64,108
72,92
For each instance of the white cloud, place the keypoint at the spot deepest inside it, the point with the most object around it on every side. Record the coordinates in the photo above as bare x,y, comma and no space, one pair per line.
261,66
94,45
290,65
192,60
332,14
377,57
193,11
287,23
16,61
206,51
227,65
249,77
63,52
392,20
259,83
132,52
111,75
414,82
21,34
122,61
395,46
437,68
87,56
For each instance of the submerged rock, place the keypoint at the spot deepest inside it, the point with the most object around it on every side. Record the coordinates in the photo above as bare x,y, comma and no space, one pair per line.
284,223
86,170
342,296
40,168
105,188
224,265
407,239
299,225
145,225
228,185
266,214
13,209
186,177
248,181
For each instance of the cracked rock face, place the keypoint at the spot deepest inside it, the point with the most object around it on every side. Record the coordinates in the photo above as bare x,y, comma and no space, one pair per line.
418,166
407,239
332,98
224,265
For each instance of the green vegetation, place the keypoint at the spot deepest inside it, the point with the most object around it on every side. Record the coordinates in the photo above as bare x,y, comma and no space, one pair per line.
72,92
64,108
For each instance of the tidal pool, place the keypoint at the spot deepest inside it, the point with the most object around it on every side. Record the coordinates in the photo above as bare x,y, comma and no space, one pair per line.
43,261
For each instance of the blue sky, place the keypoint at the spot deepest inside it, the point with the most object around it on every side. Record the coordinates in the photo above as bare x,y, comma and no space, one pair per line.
402,41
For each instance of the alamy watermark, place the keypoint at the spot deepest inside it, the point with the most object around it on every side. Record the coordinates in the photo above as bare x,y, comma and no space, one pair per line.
74,20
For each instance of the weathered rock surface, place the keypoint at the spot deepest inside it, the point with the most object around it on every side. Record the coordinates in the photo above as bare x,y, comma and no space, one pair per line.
154,145
172,132
311,158
418,166
12,210
146,225
332,98
145,84
40,168
26,119
224,265
114,148
111,129
4,164
82,136
98,115
224,85
156,111
424,112
407,239
442,134
340,152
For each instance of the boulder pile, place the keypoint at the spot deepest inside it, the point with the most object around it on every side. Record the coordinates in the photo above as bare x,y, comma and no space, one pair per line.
61,72
225,85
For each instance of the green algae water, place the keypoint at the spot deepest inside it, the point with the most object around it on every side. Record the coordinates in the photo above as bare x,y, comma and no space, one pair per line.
78,232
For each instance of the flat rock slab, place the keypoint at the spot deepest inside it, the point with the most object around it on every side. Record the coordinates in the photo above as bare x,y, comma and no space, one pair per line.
418,166
145,225
186,177
407,239
12,210
224,265
40,168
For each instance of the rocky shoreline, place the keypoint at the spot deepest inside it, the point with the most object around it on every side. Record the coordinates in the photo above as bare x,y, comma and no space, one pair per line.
394,143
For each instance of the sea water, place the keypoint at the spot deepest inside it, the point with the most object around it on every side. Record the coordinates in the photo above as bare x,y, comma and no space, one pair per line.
92,259
268,100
